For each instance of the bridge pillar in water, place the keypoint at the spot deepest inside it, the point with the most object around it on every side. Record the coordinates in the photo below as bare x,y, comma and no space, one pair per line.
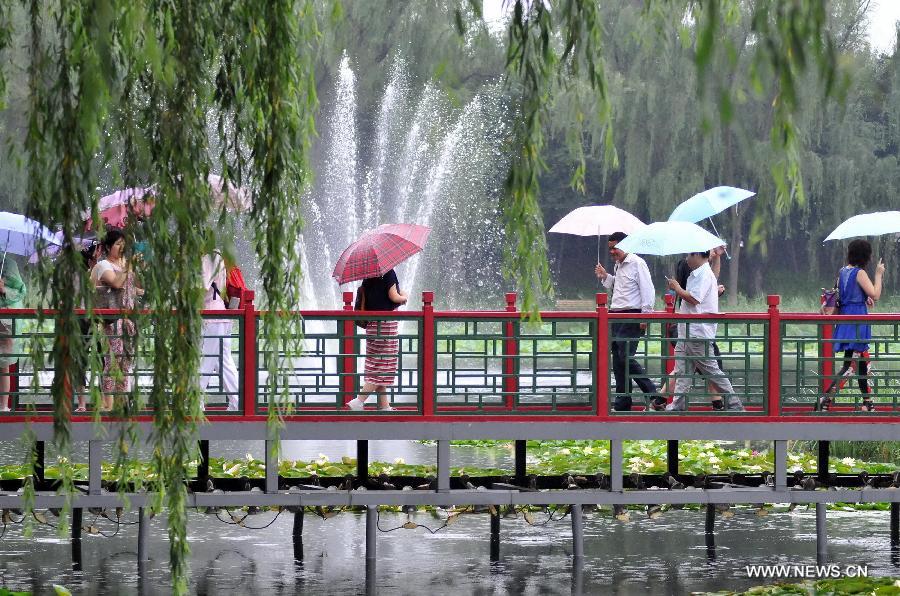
521,454
672,458
710,532
495,534
821,534
362,462
822,462
143,555
895,534
297,534
371,531
77,513
577,531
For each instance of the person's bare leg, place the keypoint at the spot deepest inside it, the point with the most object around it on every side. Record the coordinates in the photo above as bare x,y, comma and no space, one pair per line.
366,389
383,397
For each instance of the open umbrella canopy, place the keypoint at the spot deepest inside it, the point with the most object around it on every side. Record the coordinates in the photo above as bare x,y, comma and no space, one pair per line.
597,220
868,224
670,238
20,235
235,198
709,203
380,250
53,250
115,207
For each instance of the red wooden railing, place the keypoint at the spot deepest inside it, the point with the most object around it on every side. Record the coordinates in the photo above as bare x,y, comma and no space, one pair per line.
774,409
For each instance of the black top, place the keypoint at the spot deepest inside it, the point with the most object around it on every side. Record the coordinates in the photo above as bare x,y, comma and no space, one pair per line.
376,290
682,273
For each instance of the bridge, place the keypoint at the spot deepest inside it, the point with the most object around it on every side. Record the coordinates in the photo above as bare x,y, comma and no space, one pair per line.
493,375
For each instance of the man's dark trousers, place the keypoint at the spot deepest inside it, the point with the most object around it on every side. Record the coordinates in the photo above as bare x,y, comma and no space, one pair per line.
623,350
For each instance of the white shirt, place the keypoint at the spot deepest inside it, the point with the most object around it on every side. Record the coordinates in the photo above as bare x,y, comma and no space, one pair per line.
213,272
631,283
704,287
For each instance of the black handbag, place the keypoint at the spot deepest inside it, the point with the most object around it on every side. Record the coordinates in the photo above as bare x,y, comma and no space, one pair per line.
360,305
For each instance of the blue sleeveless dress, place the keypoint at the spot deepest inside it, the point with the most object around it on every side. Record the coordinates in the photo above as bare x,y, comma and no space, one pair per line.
851,336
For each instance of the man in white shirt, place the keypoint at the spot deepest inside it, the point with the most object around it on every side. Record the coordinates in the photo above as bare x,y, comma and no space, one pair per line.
217,333
632,292
701,296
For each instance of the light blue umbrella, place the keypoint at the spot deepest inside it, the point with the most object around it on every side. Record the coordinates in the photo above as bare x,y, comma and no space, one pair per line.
670,238
868,224
708,203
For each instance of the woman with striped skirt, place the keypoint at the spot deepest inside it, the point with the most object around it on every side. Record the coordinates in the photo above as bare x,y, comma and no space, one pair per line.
382,346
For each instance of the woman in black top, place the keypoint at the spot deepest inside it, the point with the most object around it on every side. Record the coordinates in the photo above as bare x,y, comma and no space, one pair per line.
380,293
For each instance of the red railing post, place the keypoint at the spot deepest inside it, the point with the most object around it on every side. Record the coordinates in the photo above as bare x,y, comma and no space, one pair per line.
250,351
826,355
429,356
510,351
348,352
601,380
773,386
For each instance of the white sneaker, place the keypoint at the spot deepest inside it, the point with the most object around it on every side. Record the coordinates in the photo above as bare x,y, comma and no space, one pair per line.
387,409
356,404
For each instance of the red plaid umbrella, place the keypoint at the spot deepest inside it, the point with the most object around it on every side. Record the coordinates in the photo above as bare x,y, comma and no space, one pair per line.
380,250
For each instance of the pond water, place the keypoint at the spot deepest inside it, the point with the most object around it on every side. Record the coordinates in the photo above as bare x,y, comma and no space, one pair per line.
667,555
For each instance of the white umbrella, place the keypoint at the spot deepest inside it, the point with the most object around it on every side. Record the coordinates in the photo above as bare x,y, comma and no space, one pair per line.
597,220
868,224
670,238
22,236
235,198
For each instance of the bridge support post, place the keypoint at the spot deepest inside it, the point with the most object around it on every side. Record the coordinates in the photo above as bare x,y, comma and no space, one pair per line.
822,462
271,468
40,457
362,462
297,534
615,465
710,532
521,451
672,454
371,531
203,466
577,531
143,555
821,534
443,465
95,457
495,535
895,531
77,513
780,465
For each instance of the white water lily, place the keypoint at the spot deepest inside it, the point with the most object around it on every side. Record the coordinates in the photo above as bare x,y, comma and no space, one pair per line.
848,461
399,461
743,453
588,450
249,457
714,460
755,468
565,451
645,450
322,456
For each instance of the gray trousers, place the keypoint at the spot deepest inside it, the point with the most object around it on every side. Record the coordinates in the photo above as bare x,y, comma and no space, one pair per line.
694,356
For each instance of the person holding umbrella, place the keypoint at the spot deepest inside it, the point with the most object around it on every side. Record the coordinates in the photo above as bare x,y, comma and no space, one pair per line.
633,292
700,296
12,295
857,291
372,259
382,346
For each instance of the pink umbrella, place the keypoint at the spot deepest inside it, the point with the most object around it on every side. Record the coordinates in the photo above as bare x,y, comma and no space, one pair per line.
380,250
597,220
235,198
115,207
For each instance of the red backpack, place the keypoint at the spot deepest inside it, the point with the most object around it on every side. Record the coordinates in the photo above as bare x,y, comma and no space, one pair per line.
234,286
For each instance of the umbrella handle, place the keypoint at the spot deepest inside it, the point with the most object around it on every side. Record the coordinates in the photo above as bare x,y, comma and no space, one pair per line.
727,256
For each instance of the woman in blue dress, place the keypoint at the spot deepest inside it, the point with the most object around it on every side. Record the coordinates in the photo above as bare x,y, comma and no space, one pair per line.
856,293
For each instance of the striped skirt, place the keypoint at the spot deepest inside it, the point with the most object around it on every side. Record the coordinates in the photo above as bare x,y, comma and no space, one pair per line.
381,352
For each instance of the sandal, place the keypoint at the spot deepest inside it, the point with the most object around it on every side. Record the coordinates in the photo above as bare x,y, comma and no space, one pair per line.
867,405
81,409
824,404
